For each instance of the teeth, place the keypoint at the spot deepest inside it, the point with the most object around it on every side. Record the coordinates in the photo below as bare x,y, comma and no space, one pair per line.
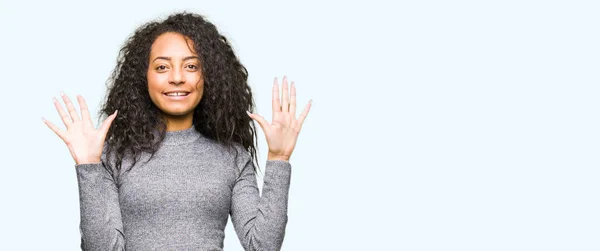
176,94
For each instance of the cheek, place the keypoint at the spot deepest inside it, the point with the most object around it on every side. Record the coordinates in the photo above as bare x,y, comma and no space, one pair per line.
199,82
154,81
200,86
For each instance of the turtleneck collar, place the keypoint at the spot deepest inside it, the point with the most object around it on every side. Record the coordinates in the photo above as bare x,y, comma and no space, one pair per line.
181,137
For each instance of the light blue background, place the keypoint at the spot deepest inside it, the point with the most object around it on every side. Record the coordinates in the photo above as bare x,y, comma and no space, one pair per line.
436,125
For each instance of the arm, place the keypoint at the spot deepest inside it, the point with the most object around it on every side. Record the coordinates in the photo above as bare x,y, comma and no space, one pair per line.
260,221
101,226
262,227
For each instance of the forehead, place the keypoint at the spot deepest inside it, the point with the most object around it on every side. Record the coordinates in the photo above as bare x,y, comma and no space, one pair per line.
172,44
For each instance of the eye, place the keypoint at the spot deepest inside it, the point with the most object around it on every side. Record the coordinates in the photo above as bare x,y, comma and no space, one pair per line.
191,66
161,67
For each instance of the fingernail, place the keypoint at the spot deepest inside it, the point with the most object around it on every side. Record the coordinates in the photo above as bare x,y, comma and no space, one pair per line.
44,120
115,111
54,99
62,94
249,114
310,101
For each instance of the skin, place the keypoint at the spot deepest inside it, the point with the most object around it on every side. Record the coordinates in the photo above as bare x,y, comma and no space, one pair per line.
174,66
282,132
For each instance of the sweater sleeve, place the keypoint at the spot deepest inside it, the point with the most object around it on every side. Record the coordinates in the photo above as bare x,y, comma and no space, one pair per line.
100,225
260,221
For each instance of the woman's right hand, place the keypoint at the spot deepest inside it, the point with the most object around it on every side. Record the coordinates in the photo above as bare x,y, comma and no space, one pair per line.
83,140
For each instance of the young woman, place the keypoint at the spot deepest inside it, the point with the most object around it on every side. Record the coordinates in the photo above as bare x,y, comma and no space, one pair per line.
176,153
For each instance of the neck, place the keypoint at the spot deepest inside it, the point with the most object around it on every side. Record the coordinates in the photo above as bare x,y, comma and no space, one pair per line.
178,123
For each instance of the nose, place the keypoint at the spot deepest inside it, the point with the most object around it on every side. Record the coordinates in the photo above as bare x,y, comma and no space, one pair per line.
177,77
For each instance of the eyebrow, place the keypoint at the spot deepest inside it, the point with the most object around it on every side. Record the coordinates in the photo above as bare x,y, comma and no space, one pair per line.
184,59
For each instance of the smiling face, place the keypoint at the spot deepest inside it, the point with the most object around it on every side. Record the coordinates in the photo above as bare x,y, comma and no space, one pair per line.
175,81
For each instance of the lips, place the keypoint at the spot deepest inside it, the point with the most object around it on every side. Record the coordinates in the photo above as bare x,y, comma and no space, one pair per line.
176,94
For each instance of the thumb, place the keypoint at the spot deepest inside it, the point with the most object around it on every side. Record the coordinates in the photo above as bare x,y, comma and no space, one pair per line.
107,122
261,121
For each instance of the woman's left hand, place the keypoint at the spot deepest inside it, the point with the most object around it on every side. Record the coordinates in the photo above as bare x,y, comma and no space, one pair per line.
282,132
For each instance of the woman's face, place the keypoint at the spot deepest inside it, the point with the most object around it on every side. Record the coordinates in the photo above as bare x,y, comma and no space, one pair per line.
175,81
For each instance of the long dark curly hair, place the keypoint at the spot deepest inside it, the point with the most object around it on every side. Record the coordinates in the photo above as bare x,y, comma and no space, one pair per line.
221,113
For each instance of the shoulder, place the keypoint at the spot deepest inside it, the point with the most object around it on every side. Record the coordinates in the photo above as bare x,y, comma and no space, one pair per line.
230,150
234,153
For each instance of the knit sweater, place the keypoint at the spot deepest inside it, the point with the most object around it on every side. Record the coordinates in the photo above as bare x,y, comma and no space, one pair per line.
181,198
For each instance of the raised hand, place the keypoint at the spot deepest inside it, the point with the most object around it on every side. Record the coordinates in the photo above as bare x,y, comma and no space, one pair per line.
282,132
83,140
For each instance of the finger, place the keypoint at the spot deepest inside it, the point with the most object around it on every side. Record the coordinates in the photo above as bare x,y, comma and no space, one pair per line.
293,99
305,113
276,104
70,107
85,113
107,122
60,133
63,115
286,99
261,121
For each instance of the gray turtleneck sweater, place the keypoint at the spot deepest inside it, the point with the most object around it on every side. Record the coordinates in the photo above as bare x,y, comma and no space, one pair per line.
181,199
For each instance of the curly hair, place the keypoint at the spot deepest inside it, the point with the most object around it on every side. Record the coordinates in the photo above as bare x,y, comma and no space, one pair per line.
221,113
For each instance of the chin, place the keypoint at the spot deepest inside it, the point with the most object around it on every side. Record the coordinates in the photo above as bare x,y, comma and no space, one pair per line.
178,113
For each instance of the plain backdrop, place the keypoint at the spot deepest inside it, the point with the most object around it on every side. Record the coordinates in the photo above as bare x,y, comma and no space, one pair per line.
436,125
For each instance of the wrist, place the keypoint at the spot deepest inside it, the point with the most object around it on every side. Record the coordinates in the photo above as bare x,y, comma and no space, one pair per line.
272,156
87,161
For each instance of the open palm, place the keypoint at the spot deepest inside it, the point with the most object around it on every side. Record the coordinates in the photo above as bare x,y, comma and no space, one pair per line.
83,140
282,132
